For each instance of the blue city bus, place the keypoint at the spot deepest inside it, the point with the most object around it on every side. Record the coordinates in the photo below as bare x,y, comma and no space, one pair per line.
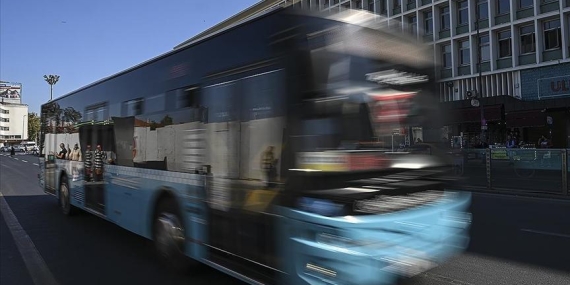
267,151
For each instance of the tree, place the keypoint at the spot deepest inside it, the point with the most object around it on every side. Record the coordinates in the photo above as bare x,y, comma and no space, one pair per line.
33,126
166,121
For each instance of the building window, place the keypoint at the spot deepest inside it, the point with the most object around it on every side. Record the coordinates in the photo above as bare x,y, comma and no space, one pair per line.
413,24
552,36
382,8
527,39
446,56
4,128
428,23
483,9
504,44
445,25
371,5
525,3
462,13
503,7
464,56
484,48
5,120
187,98
396,4
5,111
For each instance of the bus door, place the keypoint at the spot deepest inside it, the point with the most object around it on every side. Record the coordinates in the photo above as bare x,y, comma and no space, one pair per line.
50,167
97,143
239,199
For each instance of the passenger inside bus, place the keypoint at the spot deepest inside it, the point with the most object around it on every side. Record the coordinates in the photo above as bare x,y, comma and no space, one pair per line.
63,152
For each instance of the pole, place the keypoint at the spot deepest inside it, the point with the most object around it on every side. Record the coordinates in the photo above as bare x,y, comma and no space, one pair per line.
480,83
51,92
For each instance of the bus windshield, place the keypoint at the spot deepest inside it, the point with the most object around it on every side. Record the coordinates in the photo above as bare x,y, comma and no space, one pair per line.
358,101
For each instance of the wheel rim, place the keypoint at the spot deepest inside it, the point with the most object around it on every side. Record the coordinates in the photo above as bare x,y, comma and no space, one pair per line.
64,197
169,235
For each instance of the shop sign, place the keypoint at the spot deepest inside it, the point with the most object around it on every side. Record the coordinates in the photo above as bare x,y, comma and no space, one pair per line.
554,87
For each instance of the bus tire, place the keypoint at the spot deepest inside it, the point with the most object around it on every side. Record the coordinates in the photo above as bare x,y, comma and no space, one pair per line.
65,197
169,236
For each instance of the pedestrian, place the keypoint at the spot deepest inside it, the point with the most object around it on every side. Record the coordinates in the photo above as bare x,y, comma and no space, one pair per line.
63,152
268,165
12,151
99,158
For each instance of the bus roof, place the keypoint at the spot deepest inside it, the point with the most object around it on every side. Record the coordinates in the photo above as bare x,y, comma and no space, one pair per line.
370,45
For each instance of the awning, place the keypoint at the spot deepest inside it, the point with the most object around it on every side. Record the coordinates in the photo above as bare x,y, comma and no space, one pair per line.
521,119
473,115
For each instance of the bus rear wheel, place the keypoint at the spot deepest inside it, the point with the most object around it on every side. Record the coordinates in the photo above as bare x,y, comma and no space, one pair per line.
169,236
64,197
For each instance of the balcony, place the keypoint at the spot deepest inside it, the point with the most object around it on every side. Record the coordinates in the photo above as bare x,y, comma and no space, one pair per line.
485,66
446,73
483,24
396,10
525,13
529,58
505,62
549,55
462,29
549,6
464,70
501,19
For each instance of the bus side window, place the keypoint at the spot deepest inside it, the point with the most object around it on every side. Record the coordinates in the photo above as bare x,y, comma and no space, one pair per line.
187,98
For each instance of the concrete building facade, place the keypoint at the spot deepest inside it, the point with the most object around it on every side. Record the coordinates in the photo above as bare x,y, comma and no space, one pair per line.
13,114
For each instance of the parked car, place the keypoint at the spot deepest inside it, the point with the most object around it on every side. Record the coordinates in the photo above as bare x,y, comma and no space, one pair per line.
5,149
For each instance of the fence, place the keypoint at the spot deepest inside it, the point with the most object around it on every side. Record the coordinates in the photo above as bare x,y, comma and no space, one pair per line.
538,171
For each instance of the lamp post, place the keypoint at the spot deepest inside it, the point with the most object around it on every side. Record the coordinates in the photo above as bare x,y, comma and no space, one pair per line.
51,80
480,84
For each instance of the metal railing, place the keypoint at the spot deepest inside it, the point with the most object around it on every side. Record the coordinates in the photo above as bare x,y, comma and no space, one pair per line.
515,171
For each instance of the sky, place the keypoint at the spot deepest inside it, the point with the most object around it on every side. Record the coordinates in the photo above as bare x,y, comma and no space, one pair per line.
84,41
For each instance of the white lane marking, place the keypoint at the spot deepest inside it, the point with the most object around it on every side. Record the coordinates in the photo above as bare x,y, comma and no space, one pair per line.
24,160
16,158
36,265
36,164
545,233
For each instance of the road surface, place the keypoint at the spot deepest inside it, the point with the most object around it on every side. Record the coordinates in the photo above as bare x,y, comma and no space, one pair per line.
514,241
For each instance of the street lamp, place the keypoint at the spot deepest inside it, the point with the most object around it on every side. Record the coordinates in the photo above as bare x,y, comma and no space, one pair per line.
480,84
51,80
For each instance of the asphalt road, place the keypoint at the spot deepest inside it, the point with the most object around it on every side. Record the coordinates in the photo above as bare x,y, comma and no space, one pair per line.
514,241
503,175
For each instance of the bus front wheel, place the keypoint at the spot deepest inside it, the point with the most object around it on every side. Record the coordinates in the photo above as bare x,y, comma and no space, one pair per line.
169,236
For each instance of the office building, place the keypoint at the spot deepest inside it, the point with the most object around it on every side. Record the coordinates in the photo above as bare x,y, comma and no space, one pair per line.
524,49
13,114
